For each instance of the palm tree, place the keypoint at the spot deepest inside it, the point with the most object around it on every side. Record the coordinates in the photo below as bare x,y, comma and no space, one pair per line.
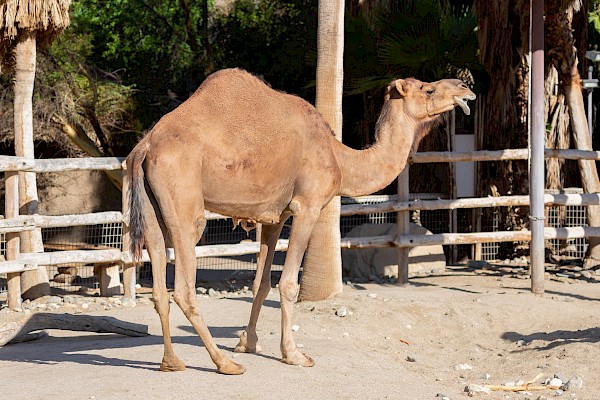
24,24
563,57
322,271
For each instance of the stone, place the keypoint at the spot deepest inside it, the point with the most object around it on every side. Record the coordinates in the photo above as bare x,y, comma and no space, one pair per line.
295,328
463,367
372,295
85,306
54,300
555,382
411,359
345,334
472,388
127,302
115,301
212,292
201,290
341,312
575,383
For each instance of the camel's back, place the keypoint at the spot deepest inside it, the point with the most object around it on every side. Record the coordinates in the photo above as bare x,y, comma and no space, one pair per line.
250,138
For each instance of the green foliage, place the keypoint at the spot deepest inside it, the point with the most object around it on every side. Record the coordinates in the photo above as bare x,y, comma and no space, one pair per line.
427,39
276,40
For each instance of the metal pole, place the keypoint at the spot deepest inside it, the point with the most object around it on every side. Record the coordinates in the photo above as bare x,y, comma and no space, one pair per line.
537,128
590,104
403,226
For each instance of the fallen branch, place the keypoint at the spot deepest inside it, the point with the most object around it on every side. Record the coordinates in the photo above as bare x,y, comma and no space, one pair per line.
18,330
523,388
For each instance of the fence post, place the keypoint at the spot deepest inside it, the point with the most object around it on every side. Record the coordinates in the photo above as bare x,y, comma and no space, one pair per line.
13,239
453,214
128,268
403,226
537,131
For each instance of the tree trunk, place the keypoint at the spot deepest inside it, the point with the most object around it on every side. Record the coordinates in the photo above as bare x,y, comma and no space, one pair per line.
562,54
34,283
322,272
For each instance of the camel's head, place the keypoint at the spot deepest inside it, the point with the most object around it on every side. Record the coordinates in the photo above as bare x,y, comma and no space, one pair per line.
425,101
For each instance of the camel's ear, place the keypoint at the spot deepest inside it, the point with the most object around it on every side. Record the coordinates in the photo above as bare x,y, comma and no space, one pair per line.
395,89
400,86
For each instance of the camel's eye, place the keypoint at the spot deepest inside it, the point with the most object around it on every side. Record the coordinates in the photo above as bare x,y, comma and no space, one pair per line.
430,92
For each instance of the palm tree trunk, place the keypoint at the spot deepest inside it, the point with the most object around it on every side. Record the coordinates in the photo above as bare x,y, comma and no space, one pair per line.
562,54
322,272
34,283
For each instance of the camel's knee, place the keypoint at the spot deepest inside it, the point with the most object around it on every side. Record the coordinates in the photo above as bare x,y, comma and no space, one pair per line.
161,302
186,302
288,290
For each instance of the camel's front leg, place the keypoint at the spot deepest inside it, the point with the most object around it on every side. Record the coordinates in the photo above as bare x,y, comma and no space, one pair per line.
302,227
261,287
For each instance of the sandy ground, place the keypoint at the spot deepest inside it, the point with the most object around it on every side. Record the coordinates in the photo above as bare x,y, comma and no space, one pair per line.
394,343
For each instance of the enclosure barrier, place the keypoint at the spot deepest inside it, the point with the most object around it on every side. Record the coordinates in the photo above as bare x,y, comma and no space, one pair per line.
14,224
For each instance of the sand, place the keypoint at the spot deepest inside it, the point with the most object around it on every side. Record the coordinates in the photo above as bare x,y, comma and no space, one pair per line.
429,339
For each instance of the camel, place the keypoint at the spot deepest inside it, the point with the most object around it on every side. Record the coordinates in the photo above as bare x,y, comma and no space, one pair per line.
239,148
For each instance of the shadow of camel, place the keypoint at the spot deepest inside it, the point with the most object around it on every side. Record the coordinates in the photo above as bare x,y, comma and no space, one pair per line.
83,349
554,339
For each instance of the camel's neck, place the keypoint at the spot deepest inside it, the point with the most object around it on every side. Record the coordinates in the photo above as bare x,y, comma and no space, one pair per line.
367,171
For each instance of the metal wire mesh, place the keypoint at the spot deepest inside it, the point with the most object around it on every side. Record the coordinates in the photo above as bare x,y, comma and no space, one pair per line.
104,236
556,217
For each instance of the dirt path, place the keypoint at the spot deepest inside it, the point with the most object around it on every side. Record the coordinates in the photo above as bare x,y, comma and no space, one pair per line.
394,343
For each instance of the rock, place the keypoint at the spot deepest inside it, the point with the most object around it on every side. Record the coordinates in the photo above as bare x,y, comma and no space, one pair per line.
85,306
555,382
295,328
463,367
54,300
411,359
138,286
212,292
201,290
372,295
586,274
341,312
115,301
18,309
127,302
575,383
345,334
472,388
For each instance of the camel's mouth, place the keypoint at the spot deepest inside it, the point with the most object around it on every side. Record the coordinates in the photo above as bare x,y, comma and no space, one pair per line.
461,101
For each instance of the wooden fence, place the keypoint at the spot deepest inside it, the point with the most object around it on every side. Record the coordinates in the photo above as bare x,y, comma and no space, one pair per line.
17,262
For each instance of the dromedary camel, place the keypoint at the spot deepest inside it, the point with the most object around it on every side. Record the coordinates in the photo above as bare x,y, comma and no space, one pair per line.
239,148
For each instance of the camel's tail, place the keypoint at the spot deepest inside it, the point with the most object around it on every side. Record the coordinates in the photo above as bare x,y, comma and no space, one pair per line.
137,219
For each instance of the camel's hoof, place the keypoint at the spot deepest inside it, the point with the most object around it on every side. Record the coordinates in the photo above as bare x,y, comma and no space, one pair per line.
230,368
171,364
298,358
245,347
241,348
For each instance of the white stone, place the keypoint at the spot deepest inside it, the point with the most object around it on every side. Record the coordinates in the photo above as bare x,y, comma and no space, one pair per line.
295,328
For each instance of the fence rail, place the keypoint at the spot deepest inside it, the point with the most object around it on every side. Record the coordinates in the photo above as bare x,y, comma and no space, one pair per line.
28,261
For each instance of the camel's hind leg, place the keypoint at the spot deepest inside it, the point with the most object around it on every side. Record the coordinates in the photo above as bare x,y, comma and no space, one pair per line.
155,244
183,215
261,286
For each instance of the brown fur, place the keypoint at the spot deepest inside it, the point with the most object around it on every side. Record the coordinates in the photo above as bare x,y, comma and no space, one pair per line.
239,148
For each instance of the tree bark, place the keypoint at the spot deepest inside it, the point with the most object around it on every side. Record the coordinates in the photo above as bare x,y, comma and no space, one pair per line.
562,54
322,272
34,283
